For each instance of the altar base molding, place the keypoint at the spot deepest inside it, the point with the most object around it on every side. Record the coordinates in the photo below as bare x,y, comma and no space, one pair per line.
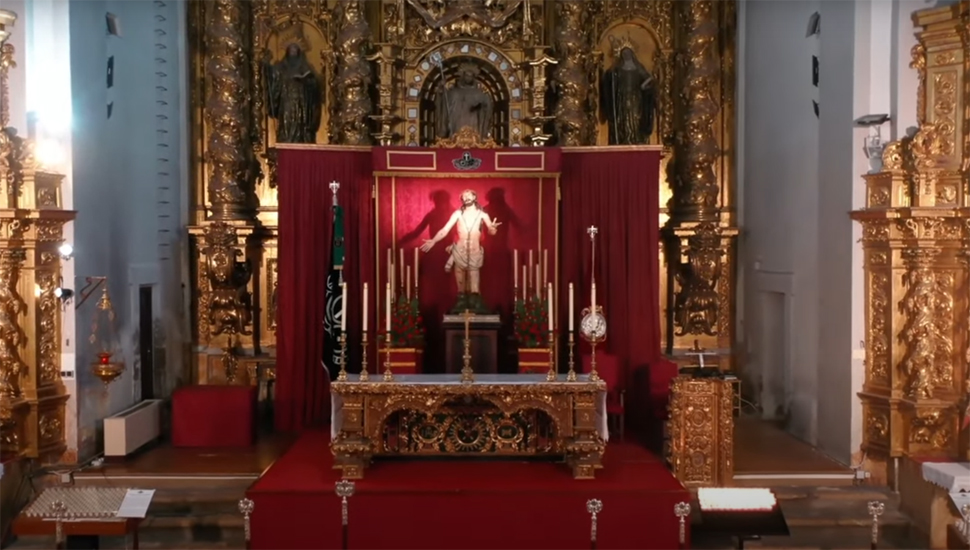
498,415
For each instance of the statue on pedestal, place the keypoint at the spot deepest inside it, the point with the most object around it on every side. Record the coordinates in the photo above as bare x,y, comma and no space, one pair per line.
295,96
467,253
463,105
628,97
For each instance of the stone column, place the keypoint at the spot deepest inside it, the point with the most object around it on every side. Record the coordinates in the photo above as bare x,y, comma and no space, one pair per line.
231,169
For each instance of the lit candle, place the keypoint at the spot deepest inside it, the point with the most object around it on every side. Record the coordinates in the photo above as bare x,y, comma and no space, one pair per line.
550,307
343,307
365,307
570,307
408,281
515,268
592,299
387,310
545,267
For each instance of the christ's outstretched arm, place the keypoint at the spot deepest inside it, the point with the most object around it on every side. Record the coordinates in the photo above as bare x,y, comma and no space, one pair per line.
491,224
443,233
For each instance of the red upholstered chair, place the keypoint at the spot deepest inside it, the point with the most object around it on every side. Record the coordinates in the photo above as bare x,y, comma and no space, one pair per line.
609,368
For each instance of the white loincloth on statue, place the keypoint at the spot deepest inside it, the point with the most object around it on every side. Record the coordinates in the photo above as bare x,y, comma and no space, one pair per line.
460,256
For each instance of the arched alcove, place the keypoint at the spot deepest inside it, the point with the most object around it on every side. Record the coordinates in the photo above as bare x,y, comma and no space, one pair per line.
492,84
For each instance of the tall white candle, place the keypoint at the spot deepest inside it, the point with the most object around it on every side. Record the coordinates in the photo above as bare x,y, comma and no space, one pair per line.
343,307
570,307
417,277
515,268
550,308
365,307
530,259
545,267
592,299
537,286
524,285
401,255
408,282
387,309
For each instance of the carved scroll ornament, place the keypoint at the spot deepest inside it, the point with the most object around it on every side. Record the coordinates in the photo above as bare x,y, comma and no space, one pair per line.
229,300
354,75
696,302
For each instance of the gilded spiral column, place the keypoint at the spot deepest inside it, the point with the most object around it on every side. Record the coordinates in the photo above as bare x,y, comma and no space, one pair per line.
571,75
354,74
227,114
697,246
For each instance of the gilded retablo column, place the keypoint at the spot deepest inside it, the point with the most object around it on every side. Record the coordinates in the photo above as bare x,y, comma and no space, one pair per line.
354,75
570,75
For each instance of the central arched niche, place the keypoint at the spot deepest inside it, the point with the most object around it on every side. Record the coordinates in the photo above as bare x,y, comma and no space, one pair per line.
492,82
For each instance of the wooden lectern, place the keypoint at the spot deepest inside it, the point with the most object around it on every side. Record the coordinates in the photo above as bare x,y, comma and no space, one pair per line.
483,332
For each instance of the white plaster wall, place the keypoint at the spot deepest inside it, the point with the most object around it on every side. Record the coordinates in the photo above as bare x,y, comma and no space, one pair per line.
801,179
128,173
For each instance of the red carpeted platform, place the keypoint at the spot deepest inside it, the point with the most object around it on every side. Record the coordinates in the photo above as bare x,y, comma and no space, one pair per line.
434,504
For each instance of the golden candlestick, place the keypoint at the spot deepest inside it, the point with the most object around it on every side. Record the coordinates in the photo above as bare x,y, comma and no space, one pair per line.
342,375
388,376
593,375
571,375
551,375
364,375
467,374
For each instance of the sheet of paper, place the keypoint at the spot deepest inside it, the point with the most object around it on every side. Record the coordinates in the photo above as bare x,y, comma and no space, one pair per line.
136,502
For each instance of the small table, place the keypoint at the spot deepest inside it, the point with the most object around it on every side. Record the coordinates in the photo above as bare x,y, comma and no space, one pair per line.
84,512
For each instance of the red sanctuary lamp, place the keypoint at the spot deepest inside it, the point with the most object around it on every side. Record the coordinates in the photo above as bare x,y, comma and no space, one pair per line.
102,337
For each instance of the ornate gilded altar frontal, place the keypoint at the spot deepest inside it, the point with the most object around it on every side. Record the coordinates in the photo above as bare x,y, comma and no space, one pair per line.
425,415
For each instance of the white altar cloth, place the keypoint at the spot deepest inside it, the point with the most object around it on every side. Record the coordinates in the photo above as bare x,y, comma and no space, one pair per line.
336,403
954,477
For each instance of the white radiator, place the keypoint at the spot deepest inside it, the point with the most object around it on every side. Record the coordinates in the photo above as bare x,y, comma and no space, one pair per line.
129,430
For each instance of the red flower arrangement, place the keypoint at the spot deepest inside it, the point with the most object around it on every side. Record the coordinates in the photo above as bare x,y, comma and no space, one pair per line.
531,322
407,330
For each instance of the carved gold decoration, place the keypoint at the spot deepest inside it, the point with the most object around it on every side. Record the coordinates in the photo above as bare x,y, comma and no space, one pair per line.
229,300
382,92
466,138
508,419
696,303
228,151
700,432
914,234
354,74
571,78
12,306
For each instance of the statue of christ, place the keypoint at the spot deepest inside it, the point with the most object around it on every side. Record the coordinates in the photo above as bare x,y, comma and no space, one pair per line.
467,253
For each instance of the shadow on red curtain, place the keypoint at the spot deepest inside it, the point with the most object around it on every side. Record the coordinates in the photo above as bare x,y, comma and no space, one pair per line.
618,193
305,227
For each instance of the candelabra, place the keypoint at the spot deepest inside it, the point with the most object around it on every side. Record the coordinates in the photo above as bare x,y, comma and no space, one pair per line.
364,375
876,509
571,375
467,374
682,510
551,375
388,375
342,375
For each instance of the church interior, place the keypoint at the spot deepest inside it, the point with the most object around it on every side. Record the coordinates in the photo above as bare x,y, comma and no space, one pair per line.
282,274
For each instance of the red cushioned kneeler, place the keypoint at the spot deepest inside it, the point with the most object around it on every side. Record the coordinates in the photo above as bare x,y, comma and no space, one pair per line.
214,416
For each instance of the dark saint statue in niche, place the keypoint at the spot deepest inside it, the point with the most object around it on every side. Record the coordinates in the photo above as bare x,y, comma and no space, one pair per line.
628,98
463,104
295,96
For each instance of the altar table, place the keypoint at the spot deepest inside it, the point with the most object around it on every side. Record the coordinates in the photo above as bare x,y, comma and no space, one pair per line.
498,415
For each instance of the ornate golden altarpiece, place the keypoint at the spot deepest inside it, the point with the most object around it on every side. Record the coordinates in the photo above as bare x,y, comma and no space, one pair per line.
32,394
541,62
700,431
916,240
497,415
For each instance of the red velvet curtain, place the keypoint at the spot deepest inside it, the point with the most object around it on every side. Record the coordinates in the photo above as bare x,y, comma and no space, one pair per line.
305,232
617,191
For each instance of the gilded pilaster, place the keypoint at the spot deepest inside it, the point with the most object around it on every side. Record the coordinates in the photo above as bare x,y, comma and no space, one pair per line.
388,62
227,114
354,74
571,73
915,242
